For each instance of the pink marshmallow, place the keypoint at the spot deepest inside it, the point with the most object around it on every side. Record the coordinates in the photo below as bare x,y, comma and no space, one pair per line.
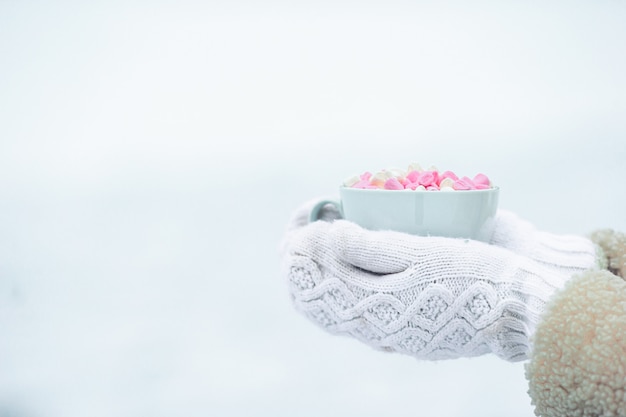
481,179
427,178
448,174
362,184
393,184
464,184
366,176
412,176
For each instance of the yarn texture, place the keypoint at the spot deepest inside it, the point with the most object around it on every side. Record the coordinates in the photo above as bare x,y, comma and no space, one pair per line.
613,244
429,297
578,366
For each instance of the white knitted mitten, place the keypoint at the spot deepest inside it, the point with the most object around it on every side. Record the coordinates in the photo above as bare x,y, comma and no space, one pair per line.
430,297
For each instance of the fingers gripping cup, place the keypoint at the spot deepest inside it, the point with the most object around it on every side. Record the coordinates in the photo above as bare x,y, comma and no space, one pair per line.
464,213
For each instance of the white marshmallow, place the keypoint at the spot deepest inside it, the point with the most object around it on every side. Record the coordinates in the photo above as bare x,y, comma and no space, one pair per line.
414,166
349,182
446,183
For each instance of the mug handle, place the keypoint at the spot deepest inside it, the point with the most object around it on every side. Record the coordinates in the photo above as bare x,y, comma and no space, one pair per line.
317,209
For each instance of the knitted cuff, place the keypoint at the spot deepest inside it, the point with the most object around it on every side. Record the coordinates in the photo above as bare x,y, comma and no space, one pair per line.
578,362
613,246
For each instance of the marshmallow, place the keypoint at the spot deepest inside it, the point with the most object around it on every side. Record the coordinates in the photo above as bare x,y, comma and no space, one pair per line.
481,179
397,172
449,174
410,186
415,178
380,177
393,184
362,184
464,184
447,182
414,166
413,175
427,178
349,182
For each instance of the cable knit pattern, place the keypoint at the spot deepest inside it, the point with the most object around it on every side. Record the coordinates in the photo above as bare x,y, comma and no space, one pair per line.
433,298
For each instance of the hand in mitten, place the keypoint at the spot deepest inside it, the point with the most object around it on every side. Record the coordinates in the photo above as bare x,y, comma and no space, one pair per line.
430,297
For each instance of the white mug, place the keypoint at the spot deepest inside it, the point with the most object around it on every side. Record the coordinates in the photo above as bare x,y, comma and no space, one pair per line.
462,214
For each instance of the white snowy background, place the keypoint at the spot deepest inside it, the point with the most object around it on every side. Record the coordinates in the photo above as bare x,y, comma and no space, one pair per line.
151,153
